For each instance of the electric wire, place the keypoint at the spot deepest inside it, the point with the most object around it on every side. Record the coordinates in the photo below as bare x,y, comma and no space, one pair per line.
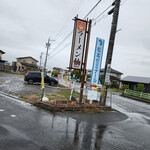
104,16
92,9
66,23
70,33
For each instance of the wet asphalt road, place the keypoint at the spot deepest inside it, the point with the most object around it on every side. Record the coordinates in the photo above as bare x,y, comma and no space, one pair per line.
23,126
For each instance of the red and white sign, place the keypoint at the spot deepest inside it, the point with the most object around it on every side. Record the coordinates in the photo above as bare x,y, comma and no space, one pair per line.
93,86
79,44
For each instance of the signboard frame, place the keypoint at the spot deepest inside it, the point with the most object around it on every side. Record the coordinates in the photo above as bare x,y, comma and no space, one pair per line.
74,44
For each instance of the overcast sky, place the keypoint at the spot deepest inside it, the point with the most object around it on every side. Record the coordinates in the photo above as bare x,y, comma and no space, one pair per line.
26,25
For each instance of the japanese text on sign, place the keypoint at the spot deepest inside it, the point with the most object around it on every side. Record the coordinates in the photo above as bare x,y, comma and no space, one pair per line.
107,77
97,61
79,44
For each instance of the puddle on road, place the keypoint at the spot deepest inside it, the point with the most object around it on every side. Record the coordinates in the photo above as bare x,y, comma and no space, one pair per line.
67,133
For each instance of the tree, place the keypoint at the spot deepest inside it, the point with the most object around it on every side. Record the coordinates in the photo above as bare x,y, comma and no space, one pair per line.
55,74
124,86
33,69
77,74
140,87
101,79
88,76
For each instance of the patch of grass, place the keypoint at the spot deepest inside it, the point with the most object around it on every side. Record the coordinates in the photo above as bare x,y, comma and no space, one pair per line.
60,85
50,97
136,97
65,94
29,98
116,90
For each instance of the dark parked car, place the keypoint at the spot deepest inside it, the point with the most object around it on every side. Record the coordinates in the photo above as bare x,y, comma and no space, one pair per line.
35,76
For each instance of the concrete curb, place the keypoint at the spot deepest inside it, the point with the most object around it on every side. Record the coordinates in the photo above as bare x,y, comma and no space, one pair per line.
12,96
141,100
15,97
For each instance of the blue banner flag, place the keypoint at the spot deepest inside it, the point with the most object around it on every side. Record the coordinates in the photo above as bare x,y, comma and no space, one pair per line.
97,61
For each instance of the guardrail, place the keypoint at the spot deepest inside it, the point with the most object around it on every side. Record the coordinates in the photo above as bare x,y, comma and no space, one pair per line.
136,94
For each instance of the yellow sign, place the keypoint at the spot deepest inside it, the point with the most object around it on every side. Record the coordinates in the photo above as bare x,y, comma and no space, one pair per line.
103,91
42,81
66,78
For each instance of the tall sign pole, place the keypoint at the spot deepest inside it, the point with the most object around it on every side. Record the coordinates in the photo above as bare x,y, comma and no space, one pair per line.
85,61
107,71
78,42
78,57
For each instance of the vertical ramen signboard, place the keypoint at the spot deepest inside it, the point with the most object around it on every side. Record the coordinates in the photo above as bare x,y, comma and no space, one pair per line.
78,42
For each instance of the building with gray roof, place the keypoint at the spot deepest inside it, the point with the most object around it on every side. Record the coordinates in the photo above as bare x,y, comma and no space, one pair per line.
132,81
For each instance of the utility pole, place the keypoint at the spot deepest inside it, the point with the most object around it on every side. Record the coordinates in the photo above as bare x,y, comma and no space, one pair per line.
40,60
107,71
48,44
85,61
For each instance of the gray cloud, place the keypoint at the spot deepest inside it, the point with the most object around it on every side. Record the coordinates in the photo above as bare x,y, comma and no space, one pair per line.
26,25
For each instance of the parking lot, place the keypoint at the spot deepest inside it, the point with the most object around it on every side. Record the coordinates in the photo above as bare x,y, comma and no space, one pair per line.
15,84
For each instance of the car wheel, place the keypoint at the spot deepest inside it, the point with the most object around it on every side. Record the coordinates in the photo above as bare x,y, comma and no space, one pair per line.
30,81
52,83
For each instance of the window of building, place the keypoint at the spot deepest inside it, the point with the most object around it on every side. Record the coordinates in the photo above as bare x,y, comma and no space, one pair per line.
33,62
25,61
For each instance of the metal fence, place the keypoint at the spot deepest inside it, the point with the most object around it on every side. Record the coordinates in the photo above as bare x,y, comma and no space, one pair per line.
54,95
136,94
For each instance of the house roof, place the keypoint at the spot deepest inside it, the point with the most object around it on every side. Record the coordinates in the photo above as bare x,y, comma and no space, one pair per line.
3,61
114,78
57,68
2,52
28,65
27,57
112,71
136,79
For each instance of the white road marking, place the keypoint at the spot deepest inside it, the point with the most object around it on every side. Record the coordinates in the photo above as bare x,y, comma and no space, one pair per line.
2,110
13,115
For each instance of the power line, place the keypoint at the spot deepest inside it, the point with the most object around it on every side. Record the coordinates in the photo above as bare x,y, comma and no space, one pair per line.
62,42
70,33
61,49
66,23
93,8
84,18
104,12
53,54
123,2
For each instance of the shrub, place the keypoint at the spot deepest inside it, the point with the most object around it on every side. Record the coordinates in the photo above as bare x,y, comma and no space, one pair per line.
124,86
140,87
88,76
55,74
33,69
77,74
